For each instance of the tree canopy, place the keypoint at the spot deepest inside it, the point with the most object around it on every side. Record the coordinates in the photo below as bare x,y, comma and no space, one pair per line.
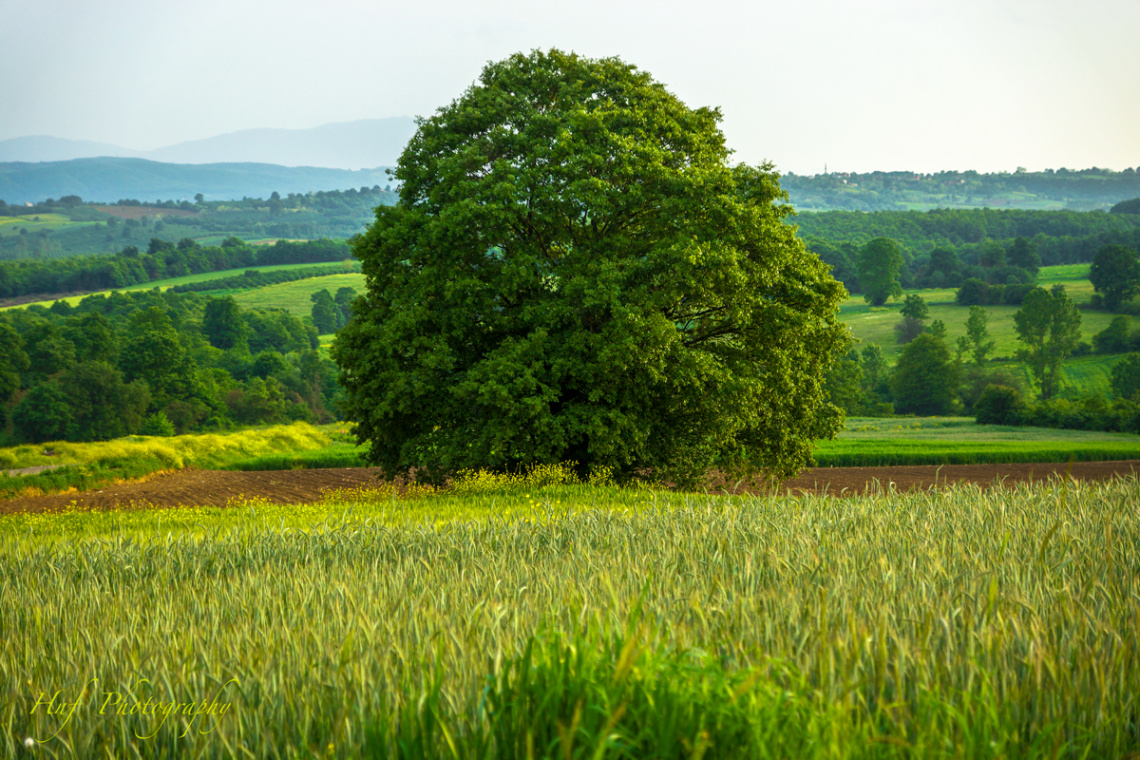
574,272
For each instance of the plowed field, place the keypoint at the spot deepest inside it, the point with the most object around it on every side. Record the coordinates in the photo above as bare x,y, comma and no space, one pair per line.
192,487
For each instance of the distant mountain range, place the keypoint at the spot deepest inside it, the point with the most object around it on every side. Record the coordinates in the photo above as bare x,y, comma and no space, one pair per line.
364,144
110,179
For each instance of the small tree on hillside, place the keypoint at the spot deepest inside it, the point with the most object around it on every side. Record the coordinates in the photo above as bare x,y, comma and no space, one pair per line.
978,334
925,378
325,313
1049,325
879,263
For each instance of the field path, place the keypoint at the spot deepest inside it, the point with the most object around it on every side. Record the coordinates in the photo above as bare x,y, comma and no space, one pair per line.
193,487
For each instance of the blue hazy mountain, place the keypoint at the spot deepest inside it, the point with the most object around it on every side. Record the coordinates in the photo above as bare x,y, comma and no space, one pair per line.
363,144
108,179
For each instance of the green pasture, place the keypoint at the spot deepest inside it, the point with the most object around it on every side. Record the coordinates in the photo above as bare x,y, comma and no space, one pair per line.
294,296
543,618
877,324
11,225
1080,375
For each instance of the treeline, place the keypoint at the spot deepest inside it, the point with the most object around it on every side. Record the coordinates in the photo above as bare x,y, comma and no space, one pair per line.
255,278
156,363
305,216
978,238
162,259
1084,189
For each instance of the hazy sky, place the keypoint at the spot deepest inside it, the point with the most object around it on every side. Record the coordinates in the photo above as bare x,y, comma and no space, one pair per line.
857,84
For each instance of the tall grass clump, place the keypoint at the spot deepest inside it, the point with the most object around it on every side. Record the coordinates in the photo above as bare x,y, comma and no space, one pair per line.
959,623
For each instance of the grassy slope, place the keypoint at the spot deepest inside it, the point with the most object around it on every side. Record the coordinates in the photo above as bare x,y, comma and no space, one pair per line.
170,282
87,465
294,296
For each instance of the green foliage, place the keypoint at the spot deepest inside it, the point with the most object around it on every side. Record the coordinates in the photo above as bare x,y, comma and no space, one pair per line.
999,405
879,263
915,307
167,358
157,424
573,272
925,378
978,335
1126,377
44,414
973,292
1115,274
1114,339
13,361
325,313
222,324
908,328
1049,325
102,405
1023,254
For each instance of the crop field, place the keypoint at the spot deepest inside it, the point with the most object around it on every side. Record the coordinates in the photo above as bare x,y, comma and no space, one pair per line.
539,618
878,442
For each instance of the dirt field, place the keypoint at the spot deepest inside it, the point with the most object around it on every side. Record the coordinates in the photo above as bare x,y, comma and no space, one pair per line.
215,487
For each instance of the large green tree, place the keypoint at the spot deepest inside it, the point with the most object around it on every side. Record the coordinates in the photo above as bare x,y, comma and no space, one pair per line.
574,272
1115,274
879,263
1049,325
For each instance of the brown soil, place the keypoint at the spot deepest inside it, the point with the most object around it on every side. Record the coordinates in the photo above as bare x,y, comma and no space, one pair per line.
217,487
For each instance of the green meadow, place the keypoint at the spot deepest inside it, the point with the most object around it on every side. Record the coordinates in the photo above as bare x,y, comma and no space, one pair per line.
538,617
877,324
12,225
294,296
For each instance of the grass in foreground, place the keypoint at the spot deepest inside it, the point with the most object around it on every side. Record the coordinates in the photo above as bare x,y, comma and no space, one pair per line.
954,624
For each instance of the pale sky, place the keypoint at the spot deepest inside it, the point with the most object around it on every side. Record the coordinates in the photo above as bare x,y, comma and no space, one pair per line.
857,85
